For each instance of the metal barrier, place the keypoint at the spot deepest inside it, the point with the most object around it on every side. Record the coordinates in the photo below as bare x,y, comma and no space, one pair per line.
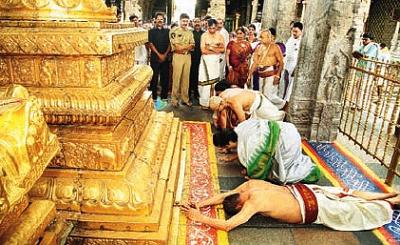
370,111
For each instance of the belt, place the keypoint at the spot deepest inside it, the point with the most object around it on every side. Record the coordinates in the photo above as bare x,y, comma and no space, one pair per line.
310,203
180,52
263,73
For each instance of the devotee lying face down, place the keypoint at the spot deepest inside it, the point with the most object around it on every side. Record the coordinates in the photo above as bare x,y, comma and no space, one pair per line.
337,208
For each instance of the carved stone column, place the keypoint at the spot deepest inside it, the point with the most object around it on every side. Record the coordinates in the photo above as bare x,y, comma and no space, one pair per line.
217,9
279,14
323,60
132,7
254,10
360,18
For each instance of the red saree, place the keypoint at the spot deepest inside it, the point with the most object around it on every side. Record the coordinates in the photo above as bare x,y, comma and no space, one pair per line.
238,59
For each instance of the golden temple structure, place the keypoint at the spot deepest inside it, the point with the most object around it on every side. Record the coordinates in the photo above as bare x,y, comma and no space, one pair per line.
114,177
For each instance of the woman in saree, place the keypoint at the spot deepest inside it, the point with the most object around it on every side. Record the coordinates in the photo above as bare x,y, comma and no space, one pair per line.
237,55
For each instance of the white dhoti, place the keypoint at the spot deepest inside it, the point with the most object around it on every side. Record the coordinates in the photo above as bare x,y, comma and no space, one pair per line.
347,213
262,108
287,86
290,165
222,66
209,72
141,55
270,91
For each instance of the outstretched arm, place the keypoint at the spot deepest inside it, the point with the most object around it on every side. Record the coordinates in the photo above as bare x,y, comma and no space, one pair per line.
219,198
243,216
214,200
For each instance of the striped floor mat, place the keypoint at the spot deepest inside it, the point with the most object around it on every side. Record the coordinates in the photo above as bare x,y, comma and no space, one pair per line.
345,170
200,182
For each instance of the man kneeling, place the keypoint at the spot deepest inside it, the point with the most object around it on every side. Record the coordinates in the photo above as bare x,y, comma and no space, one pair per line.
337,208
269,150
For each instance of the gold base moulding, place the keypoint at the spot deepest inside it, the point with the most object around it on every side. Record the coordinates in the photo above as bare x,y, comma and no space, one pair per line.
116,200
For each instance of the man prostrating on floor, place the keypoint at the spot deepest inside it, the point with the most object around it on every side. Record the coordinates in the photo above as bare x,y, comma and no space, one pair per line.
337,208
269,150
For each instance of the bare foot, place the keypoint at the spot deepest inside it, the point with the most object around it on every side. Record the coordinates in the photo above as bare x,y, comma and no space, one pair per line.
394,200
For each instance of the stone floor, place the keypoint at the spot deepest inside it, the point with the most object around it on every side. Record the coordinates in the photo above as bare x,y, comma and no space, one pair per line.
263,231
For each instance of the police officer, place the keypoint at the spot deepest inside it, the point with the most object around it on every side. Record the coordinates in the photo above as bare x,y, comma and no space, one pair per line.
182,42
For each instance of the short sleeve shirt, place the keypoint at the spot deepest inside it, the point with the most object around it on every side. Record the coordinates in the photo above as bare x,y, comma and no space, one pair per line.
160,39
180,36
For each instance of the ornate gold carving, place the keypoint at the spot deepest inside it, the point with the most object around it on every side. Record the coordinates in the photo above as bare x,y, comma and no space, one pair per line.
31,224
10,218
52,71
56,9
104,241
128,193
93,41
26,146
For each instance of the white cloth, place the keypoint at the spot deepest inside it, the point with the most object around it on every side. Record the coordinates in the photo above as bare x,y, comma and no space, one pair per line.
270,91
292,53
206,74
225,34
346,213
262,108
290,62
291,165
384,55
141,55
205,94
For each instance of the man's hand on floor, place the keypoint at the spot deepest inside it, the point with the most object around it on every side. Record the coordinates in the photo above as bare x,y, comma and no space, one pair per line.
191,213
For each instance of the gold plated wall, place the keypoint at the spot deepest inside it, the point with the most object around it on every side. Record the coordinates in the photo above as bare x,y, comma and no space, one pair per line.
26,148
118,156
55,9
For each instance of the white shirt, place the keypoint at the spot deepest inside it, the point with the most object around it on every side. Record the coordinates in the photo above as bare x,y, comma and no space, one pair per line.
225,34
292,53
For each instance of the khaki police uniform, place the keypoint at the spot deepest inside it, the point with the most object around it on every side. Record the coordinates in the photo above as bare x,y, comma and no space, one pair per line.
180,64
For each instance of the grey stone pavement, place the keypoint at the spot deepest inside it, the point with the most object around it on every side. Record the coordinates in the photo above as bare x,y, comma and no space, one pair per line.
260,230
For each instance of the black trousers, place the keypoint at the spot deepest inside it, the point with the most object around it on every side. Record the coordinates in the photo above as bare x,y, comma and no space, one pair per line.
194,78
160,70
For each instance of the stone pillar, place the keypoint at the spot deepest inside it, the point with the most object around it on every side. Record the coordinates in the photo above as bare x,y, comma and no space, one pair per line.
279,14
395,39
133,7
360,19
217,9
323,62
254,10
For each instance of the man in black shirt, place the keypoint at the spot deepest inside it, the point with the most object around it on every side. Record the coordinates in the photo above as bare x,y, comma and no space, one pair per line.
160,46
196,55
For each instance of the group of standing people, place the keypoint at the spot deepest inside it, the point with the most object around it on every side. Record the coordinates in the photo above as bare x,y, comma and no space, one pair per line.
205,54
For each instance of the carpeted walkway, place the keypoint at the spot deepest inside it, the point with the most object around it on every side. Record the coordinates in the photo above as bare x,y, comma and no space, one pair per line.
345,170
200,182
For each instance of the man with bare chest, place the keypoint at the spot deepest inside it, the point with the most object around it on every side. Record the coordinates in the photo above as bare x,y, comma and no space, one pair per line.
242,102
212,46
338,208
268,61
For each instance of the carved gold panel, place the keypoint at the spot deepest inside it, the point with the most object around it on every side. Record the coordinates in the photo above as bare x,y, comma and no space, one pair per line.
105,148
26,146
58,40
130,191
56,9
